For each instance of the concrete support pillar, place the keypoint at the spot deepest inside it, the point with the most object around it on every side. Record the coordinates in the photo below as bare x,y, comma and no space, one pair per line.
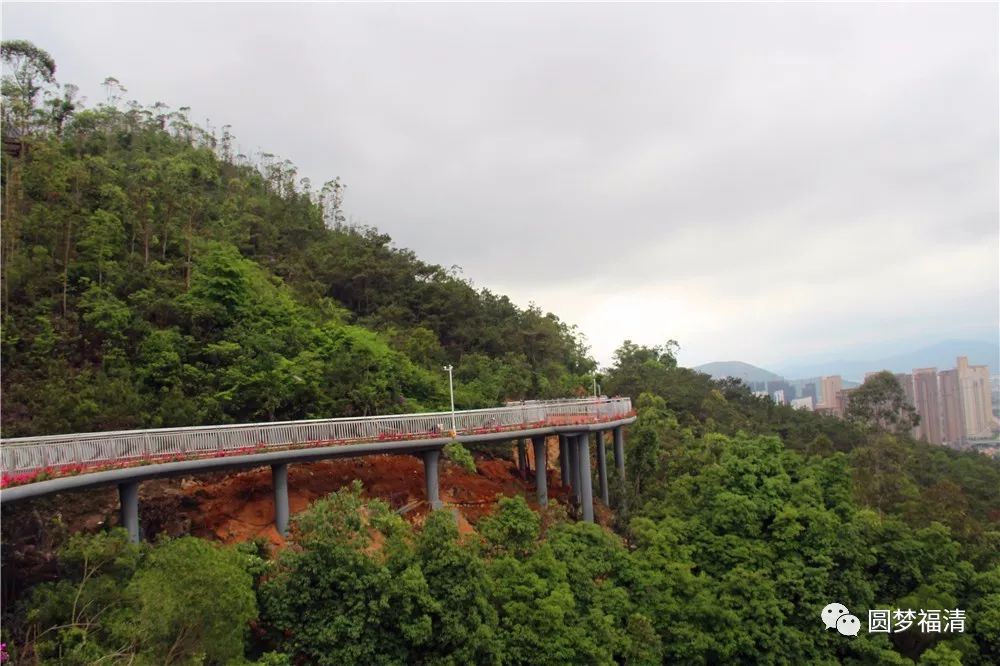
279,481
563,460
522,459
574,468
586,491
431,478
128,497
602,468
620,450
541,483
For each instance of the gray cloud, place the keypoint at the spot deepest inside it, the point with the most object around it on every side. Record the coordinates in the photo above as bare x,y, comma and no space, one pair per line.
771,179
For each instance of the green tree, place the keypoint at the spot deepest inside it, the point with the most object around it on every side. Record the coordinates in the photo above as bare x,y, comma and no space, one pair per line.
638,368
85,615
458,454
879,473
27,70
335,602
463,624
880,403
194,601
512,529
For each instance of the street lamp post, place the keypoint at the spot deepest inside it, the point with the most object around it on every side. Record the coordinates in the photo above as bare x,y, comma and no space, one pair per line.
451,390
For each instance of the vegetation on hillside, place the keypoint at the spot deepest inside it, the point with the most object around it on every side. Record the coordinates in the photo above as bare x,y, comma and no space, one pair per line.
150,278
153,278
734,544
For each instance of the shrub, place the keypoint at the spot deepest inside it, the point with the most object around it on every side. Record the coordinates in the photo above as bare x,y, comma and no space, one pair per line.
194,598
458,454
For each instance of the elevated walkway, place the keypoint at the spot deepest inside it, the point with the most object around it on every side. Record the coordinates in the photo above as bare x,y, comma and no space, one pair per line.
39,466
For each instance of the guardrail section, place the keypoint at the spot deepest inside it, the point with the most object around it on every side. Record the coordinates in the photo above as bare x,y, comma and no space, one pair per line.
83,451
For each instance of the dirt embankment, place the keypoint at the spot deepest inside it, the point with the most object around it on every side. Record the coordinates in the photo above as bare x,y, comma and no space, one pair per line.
240,506
231,508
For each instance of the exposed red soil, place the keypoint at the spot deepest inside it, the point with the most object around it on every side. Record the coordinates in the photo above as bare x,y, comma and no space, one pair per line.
232,508
241,507
238,507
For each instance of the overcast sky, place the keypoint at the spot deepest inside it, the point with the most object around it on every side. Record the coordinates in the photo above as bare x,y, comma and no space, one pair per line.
760,182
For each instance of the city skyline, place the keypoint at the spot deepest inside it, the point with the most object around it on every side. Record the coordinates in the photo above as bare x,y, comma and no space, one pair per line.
955,405
854,371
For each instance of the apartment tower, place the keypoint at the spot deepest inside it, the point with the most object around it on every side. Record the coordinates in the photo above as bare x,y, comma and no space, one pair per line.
974,388
829,388
928,404
952,414
906,381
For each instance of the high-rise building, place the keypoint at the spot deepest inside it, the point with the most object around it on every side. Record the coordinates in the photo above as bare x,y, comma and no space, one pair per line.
843,401
928,404
954,405
995,383
809,391
781,385
778,397
974,385
807,403
906,381
829,387
952,414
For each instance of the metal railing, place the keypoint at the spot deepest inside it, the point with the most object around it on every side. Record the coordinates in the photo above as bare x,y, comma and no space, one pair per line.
28,454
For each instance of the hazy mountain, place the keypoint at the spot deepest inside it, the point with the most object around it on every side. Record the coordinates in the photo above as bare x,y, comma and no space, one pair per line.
745,371
941,356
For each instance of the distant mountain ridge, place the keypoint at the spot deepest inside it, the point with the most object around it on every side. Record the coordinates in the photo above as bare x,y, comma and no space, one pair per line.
941,356
748,373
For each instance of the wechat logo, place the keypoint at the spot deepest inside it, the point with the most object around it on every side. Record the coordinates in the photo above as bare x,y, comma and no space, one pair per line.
836,616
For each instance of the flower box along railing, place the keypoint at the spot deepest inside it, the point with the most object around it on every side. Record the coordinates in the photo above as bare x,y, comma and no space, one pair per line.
29,459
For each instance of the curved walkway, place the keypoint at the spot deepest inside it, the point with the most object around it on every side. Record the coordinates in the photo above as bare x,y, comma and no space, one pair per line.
126,458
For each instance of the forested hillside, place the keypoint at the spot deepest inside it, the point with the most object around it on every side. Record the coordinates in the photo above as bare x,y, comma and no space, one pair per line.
151,277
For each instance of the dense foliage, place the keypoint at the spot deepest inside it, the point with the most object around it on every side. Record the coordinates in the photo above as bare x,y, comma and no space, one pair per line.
728,559
152,278
184,601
